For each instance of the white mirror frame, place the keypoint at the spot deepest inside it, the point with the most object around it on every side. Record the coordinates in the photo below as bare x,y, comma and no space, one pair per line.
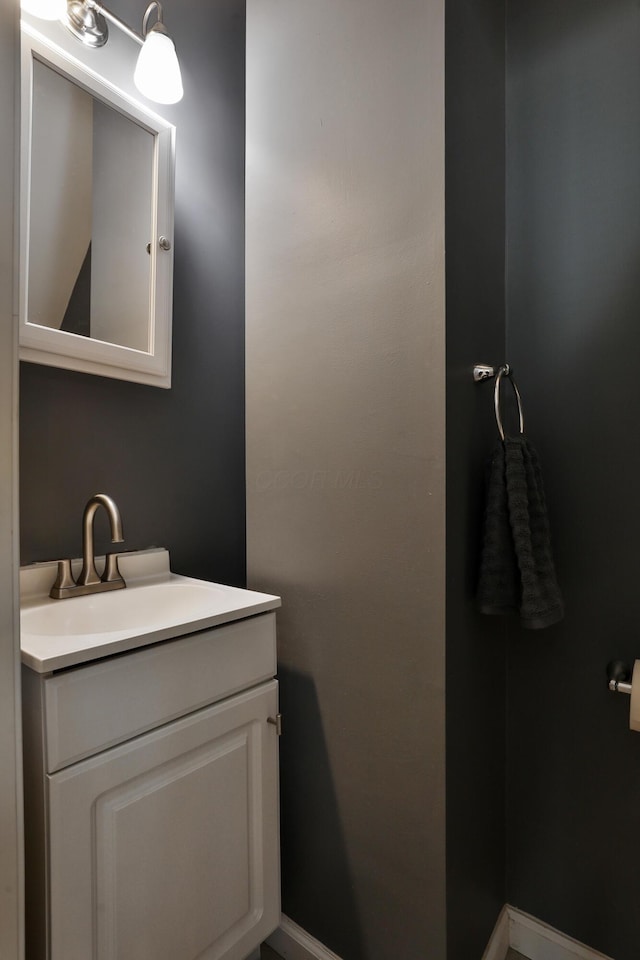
59,348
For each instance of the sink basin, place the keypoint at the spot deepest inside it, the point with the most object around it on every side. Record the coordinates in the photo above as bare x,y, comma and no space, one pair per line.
156,605
145,607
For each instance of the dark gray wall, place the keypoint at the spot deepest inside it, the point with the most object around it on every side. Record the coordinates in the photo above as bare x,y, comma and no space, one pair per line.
475,233
173,460
574,340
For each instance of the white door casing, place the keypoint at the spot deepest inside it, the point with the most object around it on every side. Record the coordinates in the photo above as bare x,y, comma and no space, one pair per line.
11,867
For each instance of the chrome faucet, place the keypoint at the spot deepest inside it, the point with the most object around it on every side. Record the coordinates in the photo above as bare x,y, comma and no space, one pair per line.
89,581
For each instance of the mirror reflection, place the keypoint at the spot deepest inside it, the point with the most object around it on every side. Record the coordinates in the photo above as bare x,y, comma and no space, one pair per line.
90,217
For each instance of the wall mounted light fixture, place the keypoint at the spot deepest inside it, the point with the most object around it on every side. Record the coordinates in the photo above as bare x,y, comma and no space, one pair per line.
157,73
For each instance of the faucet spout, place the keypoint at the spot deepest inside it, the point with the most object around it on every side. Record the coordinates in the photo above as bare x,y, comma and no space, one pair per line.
89,581
89,575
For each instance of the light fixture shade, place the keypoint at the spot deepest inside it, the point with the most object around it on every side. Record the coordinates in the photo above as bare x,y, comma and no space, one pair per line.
45,9
157,74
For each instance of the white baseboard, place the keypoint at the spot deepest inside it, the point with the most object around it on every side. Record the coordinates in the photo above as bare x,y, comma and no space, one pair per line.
539,941
534,939
294,943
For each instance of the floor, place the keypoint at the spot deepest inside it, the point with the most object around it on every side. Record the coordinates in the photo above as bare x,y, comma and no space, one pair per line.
266,953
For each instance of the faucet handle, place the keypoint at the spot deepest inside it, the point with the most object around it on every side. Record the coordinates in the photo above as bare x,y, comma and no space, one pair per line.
63,581
111,571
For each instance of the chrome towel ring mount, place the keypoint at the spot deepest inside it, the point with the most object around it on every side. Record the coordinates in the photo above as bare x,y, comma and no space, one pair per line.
483,371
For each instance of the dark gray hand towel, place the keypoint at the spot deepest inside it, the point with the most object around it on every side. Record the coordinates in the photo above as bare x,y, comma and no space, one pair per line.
517,574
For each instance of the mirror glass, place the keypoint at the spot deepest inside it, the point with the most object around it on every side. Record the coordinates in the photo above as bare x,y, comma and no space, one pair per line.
96,222
90,217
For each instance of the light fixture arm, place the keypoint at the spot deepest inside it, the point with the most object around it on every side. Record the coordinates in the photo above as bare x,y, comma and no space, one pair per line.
139,38
115,20
159,24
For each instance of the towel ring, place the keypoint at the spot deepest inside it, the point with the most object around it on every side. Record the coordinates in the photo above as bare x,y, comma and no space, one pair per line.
505,371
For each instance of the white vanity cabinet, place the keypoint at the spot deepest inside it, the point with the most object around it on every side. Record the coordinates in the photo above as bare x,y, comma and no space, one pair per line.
151,798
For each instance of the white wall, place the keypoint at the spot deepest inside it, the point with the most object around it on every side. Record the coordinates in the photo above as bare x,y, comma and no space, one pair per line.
345,453
11,897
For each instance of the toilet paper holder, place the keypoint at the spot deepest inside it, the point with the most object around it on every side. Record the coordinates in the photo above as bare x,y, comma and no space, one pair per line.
625,679
619,675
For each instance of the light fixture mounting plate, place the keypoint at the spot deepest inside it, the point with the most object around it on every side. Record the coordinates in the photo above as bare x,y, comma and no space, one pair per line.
86,24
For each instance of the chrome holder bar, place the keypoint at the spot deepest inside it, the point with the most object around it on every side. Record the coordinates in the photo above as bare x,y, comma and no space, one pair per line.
620,686
619,673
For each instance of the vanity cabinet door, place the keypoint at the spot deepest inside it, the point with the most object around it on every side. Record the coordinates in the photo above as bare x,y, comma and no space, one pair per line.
166,848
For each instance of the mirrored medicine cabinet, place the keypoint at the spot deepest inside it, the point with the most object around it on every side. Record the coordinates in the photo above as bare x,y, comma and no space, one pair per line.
96,221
